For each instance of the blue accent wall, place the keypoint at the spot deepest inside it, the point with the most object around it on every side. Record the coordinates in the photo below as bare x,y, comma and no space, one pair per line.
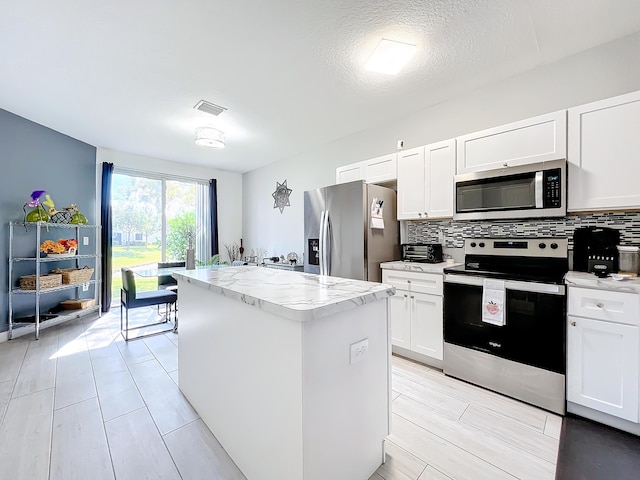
34,157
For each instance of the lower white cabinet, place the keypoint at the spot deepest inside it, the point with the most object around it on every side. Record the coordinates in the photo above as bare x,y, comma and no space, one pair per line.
603,352
416,317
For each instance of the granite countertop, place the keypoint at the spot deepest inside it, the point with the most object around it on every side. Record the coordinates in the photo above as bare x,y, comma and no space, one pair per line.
293,295
589,280
417,266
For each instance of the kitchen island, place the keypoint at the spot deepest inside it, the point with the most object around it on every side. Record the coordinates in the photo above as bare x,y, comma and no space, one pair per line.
290,371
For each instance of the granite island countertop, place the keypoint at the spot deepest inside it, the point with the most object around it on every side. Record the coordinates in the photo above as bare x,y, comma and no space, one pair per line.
589,280
294,295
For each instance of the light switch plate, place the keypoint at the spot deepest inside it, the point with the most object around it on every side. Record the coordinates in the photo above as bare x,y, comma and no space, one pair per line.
85,287
85,240
358,350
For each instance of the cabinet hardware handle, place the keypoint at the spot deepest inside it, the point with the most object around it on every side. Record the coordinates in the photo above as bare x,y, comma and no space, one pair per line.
408,281
600,305
412,296
505,164
426,214
419,214
573,324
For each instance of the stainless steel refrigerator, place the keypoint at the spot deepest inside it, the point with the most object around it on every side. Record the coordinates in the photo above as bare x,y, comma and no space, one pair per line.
342,230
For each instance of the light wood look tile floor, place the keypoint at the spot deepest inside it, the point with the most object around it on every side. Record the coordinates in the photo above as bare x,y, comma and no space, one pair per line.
81,403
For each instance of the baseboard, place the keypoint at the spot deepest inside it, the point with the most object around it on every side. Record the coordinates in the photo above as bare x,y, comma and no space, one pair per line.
418,357
604,418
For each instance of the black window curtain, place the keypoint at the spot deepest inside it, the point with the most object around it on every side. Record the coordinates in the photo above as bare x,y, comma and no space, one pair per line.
106,235
213,204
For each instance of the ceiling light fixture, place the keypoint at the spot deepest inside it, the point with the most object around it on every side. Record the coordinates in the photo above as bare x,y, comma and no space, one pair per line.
209,137
390,56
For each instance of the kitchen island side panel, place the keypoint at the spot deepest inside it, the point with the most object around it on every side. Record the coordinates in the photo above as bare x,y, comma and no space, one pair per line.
240,368
346,404
282,396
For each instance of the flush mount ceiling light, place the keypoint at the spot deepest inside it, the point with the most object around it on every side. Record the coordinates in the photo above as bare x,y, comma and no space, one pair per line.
390,56
209,137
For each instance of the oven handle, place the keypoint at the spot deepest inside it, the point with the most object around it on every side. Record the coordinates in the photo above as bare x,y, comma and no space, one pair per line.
533,287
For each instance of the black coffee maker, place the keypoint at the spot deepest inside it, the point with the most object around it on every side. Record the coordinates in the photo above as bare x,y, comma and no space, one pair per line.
595,250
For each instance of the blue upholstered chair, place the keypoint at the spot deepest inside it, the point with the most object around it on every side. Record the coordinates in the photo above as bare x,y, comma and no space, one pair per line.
130,298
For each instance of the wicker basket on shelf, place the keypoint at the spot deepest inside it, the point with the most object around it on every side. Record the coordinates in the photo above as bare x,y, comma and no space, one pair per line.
74,275
52,280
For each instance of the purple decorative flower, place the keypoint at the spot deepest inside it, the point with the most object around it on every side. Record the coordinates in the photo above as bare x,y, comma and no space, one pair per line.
35,198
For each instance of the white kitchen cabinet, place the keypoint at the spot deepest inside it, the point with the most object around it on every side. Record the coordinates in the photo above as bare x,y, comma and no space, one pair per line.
376,170
426,325
425,181
533,140
350,173
416,317
603,149
603,360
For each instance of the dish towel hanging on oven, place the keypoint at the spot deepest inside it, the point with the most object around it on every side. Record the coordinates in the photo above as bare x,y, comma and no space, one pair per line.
493,302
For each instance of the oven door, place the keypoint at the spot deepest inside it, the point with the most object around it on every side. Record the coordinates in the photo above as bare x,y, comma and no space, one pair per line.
534,330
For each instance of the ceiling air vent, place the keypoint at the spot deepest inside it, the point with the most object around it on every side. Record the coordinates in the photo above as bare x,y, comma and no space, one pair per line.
208,107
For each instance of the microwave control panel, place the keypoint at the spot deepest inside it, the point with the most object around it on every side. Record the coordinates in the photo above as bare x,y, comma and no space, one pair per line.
552,188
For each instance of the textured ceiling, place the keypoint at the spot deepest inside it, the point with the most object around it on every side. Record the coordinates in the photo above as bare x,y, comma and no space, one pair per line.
125,75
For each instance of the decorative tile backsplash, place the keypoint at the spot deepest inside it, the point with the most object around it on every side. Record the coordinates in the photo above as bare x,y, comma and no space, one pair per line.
452,233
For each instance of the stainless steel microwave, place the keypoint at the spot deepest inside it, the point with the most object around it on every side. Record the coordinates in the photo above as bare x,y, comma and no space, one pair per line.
527,191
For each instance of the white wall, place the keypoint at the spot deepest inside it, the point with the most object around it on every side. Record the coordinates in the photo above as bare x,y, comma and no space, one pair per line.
229,187
606,71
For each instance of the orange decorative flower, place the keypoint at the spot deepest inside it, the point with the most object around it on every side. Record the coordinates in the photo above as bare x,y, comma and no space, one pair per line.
61,246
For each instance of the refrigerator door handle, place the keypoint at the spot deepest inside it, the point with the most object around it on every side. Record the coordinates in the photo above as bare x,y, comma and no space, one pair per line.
327,244
321,246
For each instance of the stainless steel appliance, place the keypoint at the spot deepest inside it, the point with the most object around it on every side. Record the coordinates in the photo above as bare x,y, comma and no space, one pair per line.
342,230
422,252
524,357
535,190
595,250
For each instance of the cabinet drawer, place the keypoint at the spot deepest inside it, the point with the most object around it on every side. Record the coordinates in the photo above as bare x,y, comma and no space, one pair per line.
416,282
604,305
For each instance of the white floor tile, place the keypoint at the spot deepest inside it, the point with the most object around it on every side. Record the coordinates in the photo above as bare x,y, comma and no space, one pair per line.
167,405
74,379
25,437
137,449
117,391
12,354
38,370
79,448
198,454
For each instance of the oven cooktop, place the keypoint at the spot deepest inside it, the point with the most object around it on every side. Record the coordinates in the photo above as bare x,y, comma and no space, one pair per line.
542,260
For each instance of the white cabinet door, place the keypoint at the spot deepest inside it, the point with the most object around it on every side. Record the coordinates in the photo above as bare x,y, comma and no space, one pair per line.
350,173
411,185
602,366
537,139
603,153
440,167
426,325
381,169
400,312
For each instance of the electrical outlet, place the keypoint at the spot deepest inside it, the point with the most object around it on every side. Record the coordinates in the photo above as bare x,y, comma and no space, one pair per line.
85,287
358,350
85,240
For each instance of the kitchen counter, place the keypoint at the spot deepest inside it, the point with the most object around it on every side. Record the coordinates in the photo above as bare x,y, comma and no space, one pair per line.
417,266
280,366
293,295
589,280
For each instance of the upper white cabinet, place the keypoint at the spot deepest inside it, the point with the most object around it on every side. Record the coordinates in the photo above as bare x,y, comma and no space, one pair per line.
376,170
537,139
603,152
425,181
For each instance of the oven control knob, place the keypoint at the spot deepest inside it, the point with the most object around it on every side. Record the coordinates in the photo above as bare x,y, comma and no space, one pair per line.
554,245
481,244
542,245
473,244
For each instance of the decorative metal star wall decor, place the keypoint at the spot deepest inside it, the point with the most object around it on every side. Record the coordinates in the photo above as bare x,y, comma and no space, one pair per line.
281,196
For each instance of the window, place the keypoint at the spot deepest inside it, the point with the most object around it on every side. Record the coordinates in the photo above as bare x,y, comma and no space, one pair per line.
156,218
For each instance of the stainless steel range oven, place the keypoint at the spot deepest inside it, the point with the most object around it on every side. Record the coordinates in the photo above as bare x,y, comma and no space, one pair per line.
522,354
